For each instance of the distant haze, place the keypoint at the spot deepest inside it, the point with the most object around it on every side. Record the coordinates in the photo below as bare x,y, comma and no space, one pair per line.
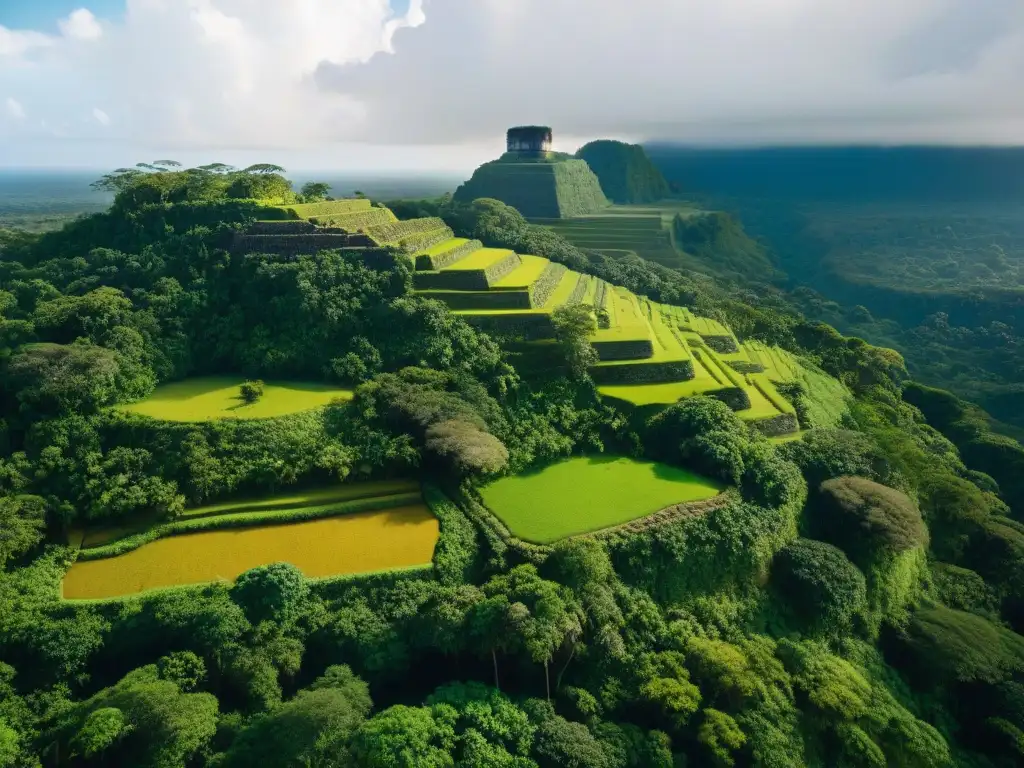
431,85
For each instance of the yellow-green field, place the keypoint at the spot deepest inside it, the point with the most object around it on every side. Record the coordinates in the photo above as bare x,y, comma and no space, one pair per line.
216,397
589,493
372,541
334,494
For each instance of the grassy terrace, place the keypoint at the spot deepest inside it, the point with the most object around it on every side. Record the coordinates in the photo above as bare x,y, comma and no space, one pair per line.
644,230
216,397
447,245
479,259
525,274
778,364
590,493
667,393
330,546
628,321
298,500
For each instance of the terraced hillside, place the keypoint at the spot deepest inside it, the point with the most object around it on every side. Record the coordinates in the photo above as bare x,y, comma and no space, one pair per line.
615,231
650,354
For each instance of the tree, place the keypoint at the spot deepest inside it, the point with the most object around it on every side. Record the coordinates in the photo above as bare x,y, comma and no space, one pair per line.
102,729
264,169
251,391
824,454
184,669
312,191
168,727
51,379
868,520
819,583
259,186
702,433
311,729
9,745
471,450
958,646
270,592
721,736
22,521
574,325
564,744
527,613
406,737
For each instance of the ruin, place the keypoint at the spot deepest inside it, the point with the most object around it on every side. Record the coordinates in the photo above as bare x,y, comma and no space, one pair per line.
529,138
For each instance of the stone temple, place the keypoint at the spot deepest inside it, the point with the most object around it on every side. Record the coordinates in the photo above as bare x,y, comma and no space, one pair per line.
529,138
537,181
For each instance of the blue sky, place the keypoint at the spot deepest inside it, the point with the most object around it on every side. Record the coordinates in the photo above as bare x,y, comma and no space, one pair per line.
42,15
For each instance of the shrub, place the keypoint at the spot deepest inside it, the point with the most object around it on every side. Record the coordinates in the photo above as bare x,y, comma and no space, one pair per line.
820,585
824,454
869,520
270,592
251,391
962,647
470,449
964,590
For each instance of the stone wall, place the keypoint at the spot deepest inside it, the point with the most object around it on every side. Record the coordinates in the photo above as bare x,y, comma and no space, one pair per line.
545,285
643,373
438,261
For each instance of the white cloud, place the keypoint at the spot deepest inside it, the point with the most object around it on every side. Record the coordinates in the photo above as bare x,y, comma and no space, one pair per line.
213,74
729,70
14,108
17,42
100,116
81,25
271,77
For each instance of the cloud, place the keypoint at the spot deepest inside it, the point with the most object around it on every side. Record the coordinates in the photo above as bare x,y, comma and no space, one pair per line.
265,76
211,74
100,116
81,25
729,70
14,108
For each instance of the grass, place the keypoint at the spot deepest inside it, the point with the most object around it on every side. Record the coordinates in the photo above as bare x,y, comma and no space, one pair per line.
587,494
525,274
319,548
561,294
563,291
216,397
446,245
479,259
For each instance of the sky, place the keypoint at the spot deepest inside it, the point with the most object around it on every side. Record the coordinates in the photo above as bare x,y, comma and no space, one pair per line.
431,85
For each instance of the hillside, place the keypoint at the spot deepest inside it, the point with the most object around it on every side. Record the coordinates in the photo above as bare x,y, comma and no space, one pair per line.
917,249
626,174
292,481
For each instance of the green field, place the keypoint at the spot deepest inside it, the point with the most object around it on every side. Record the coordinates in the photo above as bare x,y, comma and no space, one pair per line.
216,397
590,493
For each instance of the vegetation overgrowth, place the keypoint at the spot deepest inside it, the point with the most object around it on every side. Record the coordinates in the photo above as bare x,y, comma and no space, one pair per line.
854,597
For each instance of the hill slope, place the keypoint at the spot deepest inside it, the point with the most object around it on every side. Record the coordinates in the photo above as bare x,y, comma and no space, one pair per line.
626,174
